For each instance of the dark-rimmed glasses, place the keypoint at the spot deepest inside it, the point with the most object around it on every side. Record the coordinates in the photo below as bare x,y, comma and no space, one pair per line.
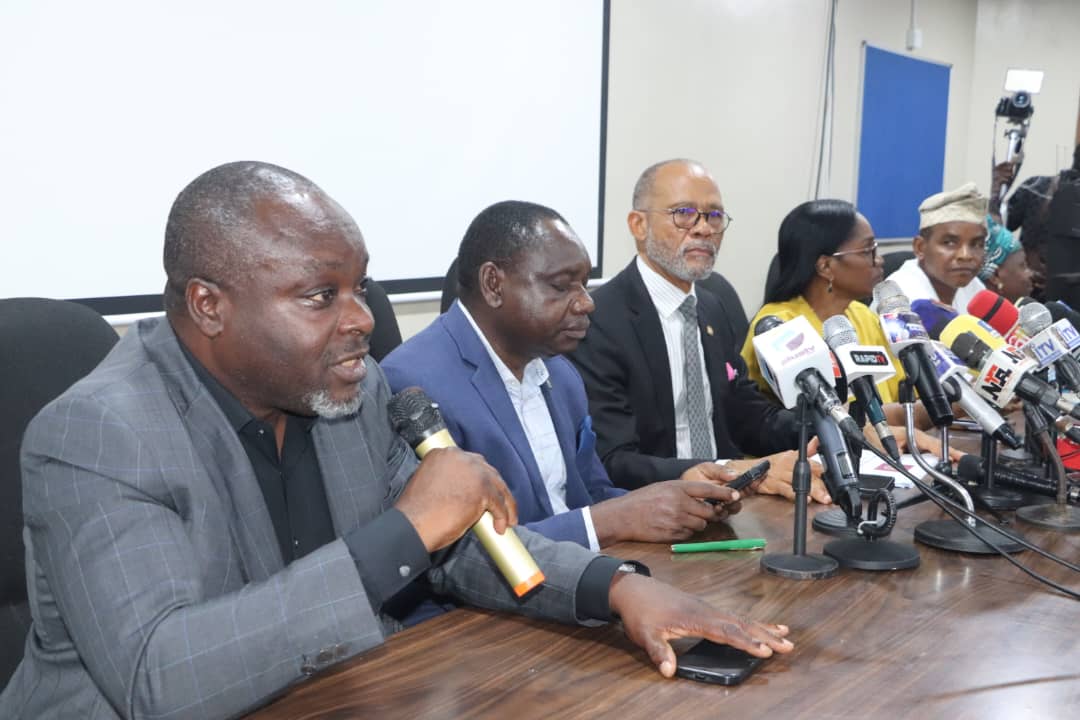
871,251
687,217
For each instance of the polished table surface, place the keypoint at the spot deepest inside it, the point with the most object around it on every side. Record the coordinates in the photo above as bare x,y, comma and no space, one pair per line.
961,636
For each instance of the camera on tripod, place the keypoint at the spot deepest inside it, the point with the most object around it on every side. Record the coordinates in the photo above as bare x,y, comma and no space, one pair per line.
1016,107
1016,110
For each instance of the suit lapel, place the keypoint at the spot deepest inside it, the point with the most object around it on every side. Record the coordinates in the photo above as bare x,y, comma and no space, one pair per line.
226,463
344,460
650,335
485,379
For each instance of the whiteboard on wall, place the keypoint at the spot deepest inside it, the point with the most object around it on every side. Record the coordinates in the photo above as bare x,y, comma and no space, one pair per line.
905,109
427,111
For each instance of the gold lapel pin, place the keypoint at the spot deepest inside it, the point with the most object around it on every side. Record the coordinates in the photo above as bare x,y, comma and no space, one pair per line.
708,329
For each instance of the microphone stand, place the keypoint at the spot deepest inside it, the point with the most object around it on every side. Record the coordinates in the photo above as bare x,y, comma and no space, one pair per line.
1059,515
987,494
835,521
798,564
948,534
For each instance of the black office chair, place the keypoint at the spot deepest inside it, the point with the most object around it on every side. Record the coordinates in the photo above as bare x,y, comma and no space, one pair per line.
719,286
45,346
387,334
449,288
895,259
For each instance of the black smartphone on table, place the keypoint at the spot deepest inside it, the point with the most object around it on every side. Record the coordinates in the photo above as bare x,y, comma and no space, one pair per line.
715,663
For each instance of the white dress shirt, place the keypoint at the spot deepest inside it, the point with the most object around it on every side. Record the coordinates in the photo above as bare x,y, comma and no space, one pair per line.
917,286
535,418
666,299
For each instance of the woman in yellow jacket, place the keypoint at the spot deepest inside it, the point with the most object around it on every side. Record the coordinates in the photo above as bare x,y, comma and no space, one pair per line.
828,262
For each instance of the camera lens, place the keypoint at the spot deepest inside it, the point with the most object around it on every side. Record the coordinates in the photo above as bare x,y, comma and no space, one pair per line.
1021,100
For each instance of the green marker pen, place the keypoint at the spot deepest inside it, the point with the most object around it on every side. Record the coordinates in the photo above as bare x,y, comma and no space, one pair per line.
743,544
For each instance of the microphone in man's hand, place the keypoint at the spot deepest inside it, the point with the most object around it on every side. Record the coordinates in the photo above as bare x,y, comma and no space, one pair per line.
417,419
908,338
865,366
1005,372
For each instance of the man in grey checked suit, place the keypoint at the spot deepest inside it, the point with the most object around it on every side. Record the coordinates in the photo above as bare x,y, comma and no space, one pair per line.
221,508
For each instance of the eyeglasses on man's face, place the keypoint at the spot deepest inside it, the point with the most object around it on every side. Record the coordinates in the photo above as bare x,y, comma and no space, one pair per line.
686,217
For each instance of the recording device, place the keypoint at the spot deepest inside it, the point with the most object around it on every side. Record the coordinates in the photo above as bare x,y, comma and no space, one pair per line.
1000,314
969,323
1047,345
1015,109
865,366
972,469
795,361
417,419
955,379
934,315
714,663
1067,321
908,338
1005,373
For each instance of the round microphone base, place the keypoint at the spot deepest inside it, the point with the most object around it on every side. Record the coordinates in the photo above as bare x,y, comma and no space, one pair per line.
875,555
1056,517
799,567
833,522
951,535
998,498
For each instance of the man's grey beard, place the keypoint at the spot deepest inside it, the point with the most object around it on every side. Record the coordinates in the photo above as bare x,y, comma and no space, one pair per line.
320,403
675,262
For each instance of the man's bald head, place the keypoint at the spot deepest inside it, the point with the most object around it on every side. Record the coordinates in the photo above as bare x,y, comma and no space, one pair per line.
646,182
213,228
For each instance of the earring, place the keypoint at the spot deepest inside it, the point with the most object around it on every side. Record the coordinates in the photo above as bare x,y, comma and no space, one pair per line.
828,288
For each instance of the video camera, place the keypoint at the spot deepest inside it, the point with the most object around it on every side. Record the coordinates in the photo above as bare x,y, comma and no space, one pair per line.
1016,110
1016,107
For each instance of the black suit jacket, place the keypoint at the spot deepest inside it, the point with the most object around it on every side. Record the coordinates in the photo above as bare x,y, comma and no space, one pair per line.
624,363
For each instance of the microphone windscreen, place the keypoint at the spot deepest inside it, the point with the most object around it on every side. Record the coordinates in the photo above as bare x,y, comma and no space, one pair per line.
1034,318
839,331
967,324
970,349
934,315
994,310
890,298
414,415
767,323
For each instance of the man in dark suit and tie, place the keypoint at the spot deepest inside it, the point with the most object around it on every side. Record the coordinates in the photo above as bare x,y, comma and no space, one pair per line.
667,388
221,509
494,362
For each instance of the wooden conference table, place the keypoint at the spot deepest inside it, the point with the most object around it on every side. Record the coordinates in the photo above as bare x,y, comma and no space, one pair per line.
961,636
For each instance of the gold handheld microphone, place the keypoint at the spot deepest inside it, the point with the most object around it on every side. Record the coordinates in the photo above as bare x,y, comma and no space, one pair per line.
417,419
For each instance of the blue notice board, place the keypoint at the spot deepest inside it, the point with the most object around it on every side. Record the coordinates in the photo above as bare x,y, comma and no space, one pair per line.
905,106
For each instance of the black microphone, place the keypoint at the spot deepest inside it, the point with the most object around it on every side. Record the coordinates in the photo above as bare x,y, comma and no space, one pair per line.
972,469
908,338
417,419
840,333
1005,373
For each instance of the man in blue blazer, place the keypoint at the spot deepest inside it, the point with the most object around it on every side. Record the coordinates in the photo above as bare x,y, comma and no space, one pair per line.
494,364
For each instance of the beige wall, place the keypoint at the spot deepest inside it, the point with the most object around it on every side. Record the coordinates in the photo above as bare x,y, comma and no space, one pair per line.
1037,35
737,84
